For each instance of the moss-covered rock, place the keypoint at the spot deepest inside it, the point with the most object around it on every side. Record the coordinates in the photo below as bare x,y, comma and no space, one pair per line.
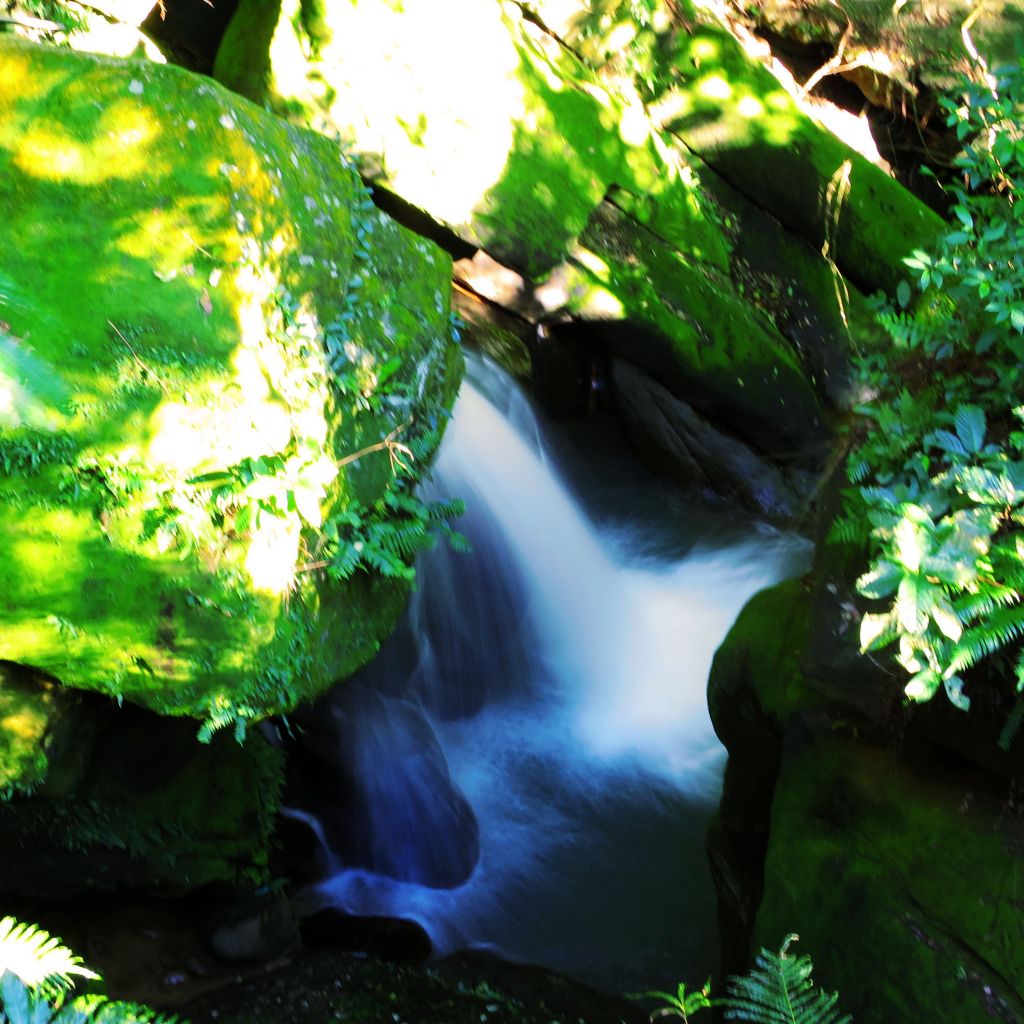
153,810
901,885
46,732
754,685
219,298
508,140
730,110
690,330
894,863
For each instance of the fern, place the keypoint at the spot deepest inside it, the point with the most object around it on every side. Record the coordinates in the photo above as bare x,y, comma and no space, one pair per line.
779,990
20,1004
37,958
36,975
999,629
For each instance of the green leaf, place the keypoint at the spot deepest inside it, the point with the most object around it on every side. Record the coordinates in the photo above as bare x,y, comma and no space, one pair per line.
32,393
881,581
910,544
970,427
923,686
875,631
947,621
910,597
903,294
307,501
955,691
36,957
946,441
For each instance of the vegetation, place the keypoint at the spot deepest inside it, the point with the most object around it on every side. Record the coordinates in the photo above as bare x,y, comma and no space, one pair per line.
36,984
778,990
938,459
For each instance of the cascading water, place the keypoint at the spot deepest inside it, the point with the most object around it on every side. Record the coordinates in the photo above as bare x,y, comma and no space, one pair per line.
529,766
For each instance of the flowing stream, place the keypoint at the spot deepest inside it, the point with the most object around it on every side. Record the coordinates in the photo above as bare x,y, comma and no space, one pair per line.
529,766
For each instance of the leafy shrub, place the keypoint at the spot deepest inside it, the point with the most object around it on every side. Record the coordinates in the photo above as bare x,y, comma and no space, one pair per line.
938,458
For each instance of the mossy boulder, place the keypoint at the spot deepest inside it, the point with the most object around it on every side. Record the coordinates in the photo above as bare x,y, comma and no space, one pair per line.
901,883
219,300
893,861
689,329
735,114
46,732
508,140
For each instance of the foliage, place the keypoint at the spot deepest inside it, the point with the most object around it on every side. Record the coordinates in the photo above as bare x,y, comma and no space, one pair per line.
37,958
35,983
681,1003
938,459
779,990
29,388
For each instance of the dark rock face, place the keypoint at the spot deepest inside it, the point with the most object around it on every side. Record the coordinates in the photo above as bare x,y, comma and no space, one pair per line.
153,809
884,837
692,451
371,768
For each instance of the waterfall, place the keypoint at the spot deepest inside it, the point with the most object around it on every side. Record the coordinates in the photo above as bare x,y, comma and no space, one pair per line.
529,765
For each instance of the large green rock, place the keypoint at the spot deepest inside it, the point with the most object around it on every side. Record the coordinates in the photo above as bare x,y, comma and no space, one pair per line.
900,882
188,266
732,111
690,329
894,862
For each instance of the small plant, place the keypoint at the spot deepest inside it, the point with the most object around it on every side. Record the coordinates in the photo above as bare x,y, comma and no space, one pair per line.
681,1004
778,990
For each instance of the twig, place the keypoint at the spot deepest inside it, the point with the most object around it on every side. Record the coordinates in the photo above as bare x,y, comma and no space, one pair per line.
389,443
834,64
149,369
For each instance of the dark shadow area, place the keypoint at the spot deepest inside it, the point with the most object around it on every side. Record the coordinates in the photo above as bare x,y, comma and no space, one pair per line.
190,31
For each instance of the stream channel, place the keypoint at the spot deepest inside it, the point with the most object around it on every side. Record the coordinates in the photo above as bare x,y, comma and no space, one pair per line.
529,767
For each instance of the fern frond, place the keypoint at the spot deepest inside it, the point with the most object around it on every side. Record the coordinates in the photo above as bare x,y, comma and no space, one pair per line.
779,990
38,958
1012,725
998,630
975,606
406,540
848,530
441,511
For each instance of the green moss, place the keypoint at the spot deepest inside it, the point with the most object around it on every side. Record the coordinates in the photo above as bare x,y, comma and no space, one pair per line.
692,332
762,652
917,877
28,709
183,253
732,112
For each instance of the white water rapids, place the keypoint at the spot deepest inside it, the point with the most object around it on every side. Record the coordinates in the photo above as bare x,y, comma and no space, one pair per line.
562,667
